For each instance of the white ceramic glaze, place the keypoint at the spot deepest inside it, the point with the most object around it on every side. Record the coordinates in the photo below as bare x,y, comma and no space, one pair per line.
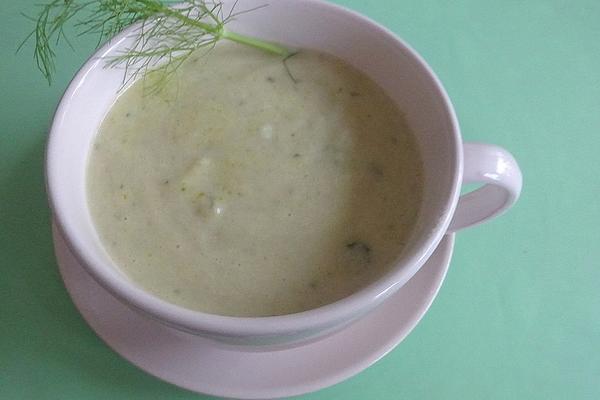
498,171
206,366
299,23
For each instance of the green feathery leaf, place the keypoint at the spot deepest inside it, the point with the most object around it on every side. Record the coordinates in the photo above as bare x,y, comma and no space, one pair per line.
165,36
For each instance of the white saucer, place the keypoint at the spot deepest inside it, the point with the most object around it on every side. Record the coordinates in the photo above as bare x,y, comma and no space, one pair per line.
203,366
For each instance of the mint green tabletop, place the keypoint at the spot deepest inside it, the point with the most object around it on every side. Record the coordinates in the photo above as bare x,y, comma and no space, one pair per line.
518,316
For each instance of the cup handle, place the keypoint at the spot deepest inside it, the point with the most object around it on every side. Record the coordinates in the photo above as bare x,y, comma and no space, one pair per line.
501,177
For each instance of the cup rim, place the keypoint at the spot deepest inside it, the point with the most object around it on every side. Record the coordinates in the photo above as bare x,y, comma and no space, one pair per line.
328,315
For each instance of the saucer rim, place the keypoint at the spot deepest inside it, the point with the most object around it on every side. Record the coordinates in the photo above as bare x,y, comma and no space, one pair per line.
443,252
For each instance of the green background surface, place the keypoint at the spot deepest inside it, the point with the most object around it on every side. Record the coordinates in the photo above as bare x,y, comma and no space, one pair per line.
519,313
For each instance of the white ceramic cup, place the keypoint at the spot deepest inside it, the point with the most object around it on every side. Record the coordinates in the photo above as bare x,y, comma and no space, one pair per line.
386,59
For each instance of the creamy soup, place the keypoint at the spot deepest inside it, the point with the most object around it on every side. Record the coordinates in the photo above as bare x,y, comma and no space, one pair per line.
250,189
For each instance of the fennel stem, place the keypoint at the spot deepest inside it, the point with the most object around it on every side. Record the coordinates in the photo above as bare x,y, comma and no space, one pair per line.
221,32
257,43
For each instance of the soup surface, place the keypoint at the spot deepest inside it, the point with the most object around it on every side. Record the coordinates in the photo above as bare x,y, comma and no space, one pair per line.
247,189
